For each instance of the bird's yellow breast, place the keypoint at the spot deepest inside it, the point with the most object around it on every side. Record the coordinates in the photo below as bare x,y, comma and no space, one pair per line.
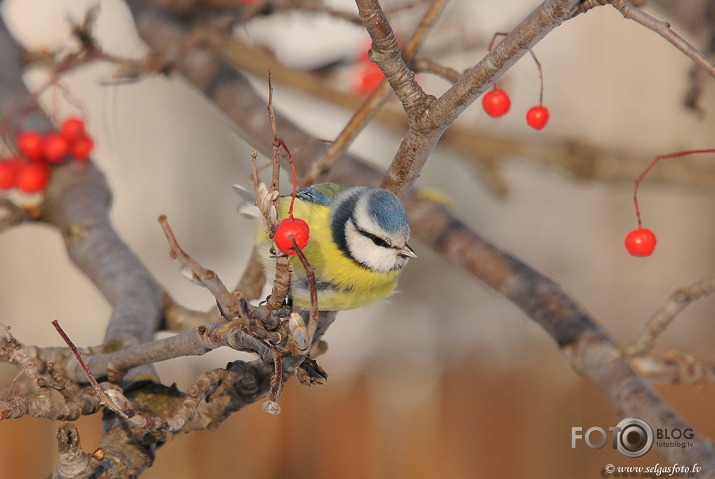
342,283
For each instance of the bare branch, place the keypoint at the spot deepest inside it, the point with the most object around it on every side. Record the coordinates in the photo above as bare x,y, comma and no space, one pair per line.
632,12
37,400
426,130
375,101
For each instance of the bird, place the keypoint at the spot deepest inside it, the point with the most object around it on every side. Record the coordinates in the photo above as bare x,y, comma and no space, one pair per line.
357,245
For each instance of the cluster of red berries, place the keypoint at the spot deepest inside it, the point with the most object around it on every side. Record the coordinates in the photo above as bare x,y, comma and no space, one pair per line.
496,103
29,170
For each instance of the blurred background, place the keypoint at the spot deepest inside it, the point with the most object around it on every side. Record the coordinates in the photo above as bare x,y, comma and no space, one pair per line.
447,379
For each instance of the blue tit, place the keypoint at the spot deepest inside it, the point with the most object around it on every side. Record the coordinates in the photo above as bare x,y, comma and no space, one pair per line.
358,245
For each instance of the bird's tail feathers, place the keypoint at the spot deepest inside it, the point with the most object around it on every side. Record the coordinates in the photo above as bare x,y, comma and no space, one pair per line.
247,206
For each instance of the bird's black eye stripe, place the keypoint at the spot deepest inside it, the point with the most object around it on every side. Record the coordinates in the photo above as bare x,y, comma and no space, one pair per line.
374,238
378,241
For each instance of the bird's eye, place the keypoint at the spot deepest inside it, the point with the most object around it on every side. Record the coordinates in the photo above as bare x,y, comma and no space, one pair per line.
379,241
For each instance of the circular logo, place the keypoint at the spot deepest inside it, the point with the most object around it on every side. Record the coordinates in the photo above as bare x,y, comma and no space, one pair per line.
634,438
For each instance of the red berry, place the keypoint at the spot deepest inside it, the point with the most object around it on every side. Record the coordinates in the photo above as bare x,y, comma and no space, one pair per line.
32,177
8,173
82,147
291,226
31,144
369,76
640,242
537,117
72,129
496,103
56,147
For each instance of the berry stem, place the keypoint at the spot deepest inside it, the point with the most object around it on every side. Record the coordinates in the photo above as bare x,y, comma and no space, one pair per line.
312,288
541,76
283,145
491,45
277,144
650,167
494,38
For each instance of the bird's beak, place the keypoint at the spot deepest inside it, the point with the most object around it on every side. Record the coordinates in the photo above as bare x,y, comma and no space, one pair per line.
407,251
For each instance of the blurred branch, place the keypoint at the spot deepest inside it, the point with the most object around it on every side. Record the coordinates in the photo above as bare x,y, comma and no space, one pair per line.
180,318
632,12
676,367
588,348
12,214
698,18
664,316
427,65
77,203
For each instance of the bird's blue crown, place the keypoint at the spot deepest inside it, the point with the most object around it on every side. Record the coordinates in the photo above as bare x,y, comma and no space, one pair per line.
388,211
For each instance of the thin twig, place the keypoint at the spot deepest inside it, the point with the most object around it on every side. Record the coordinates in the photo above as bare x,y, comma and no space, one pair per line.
270,405
665,315
83,365
112,399
676,367
483,150
24,359
177,317
229,303
281,282
427,65
276,172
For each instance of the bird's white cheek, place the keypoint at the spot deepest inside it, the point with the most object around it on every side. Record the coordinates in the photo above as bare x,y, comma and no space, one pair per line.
367,253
